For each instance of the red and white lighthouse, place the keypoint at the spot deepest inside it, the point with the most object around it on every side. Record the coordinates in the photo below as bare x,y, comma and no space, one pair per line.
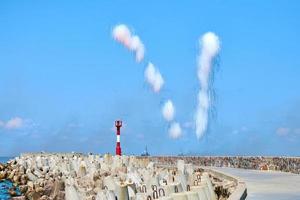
118,124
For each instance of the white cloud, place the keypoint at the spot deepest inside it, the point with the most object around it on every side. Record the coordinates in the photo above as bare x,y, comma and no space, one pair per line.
168,110
14,123
153,77
283,131
175,130
122,34
286,131
18,123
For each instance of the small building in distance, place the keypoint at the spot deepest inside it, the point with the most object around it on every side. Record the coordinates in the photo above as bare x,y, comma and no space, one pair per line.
145,153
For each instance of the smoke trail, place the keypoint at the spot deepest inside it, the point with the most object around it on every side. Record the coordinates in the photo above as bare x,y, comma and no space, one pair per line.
210,46
153,77
168,110
175,130
122,34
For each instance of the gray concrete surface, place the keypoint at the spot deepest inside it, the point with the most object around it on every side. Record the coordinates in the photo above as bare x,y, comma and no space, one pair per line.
267,185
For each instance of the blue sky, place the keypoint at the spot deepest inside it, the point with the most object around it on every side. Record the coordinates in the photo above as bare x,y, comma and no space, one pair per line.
68,80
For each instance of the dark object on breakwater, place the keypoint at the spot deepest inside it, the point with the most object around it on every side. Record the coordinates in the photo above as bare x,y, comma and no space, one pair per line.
7,190
222,192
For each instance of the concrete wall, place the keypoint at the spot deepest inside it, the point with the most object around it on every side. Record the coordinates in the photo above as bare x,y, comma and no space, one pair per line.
240,193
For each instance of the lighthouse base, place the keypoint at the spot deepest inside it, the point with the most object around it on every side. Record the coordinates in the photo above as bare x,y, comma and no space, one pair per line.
118,151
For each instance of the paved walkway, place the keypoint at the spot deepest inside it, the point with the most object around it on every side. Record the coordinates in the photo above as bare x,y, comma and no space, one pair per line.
268,185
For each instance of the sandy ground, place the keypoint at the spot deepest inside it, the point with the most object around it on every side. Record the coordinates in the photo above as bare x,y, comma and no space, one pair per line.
268,185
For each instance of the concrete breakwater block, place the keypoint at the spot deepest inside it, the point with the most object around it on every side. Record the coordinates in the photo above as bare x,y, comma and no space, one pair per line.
121,191
179,196
107,177
193,196
202,191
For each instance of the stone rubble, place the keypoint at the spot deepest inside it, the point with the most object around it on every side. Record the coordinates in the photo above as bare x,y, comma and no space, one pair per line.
284,164
95,177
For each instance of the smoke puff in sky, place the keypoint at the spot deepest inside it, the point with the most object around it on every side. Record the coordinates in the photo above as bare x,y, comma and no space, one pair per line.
13,123
210,46
153,77
175,130
122,34
168,110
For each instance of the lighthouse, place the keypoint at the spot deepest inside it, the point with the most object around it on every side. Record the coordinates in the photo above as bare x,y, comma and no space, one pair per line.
118,125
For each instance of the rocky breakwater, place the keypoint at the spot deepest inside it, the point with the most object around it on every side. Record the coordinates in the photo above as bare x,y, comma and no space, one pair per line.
94,177
33,179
